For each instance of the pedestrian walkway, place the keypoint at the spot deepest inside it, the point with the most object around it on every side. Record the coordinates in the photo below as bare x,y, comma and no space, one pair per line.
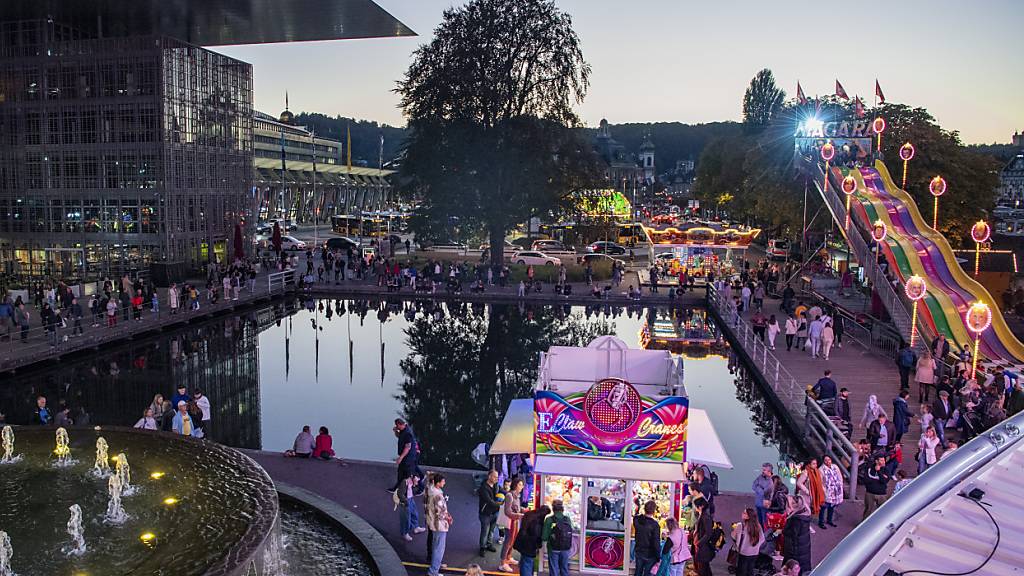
863,371
359,486
16,353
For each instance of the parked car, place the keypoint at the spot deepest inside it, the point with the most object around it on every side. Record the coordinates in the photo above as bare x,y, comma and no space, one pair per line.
449,246
341,243
534,258
291,243
778,249
595,259
606,247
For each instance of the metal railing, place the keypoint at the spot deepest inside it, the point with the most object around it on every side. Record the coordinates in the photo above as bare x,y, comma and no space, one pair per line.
792,394
889,296
20,347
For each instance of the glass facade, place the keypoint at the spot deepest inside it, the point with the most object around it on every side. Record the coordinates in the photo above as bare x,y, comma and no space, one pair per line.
118,152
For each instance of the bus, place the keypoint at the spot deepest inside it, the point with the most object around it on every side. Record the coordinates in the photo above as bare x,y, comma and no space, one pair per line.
370,224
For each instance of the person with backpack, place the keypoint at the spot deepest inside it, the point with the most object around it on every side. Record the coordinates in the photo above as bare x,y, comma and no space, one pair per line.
558,533
529,539
647,532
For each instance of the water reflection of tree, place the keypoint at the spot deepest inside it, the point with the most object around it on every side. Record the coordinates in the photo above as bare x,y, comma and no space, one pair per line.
463,370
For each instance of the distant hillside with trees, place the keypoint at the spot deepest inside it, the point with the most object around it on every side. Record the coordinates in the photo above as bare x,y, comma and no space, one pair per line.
365,136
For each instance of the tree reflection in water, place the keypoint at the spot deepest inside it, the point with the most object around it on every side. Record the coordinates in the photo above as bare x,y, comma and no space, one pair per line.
464,368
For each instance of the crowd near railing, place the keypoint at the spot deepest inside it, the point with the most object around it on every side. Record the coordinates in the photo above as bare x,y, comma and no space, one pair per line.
21,347
791,392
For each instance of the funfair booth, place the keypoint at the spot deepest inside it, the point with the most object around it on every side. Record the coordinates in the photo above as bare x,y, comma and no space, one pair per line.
609,428
700,248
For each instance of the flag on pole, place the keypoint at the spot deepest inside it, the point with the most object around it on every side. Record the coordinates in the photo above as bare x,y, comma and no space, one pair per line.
840,92
348,146
878,92
800,97
858,107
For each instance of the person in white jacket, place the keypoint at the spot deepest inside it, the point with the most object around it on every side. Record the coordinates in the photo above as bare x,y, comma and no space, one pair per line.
792,326
773,331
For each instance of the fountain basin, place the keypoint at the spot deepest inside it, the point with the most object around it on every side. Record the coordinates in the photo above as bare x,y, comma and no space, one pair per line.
209,510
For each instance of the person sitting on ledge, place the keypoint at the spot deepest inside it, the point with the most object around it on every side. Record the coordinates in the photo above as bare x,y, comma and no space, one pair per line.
303,445
323,448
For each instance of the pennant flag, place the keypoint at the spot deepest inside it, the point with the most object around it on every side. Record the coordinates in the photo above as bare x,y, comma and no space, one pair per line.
840,92
800,94
858,107
878,93
348,146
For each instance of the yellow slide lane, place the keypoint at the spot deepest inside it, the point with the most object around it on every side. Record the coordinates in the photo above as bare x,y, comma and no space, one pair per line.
1012,344
956,324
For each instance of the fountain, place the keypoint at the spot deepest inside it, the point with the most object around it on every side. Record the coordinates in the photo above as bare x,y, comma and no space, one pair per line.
124,472
115,512
102,466
8,442
75,530
6,552
63,449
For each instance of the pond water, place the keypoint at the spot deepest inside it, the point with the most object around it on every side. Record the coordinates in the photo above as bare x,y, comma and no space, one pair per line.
353,366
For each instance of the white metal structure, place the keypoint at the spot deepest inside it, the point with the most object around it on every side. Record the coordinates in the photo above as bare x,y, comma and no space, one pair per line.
964,515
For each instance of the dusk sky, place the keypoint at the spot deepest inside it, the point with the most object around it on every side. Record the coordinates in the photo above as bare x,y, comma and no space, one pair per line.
690,61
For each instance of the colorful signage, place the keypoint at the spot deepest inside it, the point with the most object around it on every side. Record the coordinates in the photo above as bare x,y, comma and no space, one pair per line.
611,420
605,551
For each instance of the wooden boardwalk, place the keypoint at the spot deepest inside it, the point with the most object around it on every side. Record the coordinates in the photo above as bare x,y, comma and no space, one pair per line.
863,371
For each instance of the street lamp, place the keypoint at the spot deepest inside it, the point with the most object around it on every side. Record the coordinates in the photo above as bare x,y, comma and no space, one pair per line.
878,126
828,151
978,318
906,154
980,233
916,289
849,187
937,187
878,232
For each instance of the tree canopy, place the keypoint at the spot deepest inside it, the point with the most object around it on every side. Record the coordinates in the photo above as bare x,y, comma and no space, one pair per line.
490,107
762,100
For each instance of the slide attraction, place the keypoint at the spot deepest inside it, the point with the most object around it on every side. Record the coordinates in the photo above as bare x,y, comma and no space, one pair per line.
912,247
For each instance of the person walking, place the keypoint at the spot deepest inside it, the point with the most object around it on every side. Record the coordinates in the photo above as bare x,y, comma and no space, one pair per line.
940,351
529,539
814,336
76,315
792,325
871,411
942,411
925,377
488,507
801,331
749,537
111,313
796,535
439,521
828,337
773,331
22,318
876,485
647,532
558,533
512,512
900,414
408,514
881,433
906,359
762,488
408,451
926,450
832,479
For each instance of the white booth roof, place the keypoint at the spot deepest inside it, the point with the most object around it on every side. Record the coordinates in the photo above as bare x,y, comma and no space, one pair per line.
573,369
515,436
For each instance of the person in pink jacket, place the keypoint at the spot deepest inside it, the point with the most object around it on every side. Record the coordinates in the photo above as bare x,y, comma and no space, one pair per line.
323,449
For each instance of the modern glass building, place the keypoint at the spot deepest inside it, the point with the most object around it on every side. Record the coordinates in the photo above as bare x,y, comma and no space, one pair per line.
123,142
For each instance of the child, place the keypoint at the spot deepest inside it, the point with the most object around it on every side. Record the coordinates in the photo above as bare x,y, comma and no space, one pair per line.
926,418
901,481
408,514
474,570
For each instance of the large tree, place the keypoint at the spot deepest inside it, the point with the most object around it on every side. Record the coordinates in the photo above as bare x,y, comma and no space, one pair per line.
762,100
490,108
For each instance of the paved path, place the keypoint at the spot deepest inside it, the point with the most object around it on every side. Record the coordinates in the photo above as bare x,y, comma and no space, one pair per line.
359,486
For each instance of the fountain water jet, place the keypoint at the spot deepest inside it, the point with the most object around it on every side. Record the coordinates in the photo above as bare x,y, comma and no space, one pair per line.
124,472
115,512
6,553
102,466
63,450
8,443
76,531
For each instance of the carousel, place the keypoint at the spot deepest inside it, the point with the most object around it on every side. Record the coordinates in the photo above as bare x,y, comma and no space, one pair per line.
608,429
698,248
